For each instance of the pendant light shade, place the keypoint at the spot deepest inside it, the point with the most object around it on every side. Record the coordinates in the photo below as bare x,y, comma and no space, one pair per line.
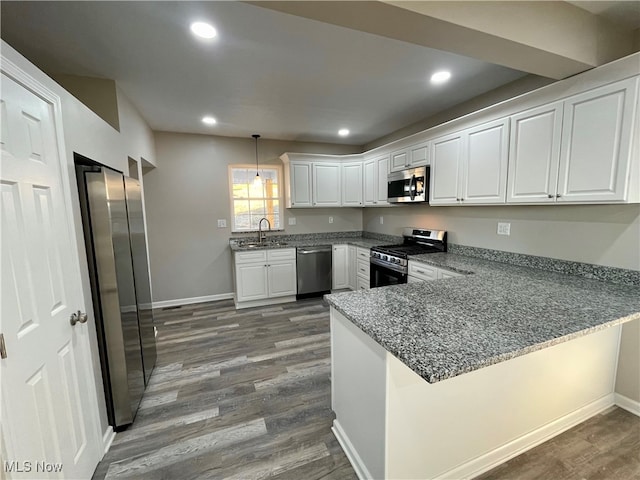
257,181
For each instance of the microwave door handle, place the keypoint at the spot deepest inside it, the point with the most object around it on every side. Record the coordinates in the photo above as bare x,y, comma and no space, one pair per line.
412,190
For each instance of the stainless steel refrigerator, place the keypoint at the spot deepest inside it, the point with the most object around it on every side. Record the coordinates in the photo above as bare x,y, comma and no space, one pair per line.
111,206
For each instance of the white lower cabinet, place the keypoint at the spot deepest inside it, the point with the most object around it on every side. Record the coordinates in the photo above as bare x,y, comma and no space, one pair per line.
351,256
263,275
419,272
363,269
340,268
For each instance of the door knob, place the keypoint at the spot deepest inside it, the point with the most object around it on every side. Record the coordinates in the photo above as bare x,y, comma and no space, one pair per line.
78,317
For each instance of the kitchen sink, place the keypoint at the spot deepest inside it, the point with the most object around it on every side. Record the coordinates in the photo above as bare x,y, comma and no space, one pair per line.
266,243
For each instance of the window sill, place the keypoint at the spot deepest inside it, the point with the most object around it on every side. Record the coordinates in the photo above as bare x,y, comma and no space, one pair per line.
243,232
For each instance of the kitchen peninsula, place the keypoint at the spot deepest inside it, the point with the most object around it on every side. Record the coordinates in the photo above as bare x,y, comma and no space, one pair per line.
448,378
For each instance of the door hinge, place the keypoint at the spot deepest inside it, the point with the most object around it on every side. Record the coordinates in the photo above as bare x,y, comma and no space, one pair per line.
3,348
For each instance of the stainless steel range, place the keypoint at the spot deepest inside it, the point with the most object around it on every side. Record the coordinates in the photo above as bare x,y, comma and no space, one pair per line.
388,263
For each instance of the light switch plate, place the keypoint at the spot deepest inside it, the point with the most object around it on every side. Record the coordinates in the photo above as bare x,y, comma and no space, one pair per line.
222,223
504,228
330,219
292,220
381,220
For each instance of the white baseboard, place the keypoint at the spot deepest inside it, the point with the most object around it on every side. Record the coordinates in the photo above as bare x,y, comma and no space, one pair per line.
512,449
355,460
628,404
192,300
107,439
264,302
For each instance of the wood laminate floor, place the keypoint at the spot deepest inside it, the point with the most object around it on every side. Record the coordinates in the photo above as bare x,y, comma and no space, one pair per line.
246,394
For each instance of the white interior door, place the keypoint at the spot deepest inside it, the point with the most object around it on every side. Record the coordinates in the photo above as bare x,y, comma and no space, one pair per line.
49,408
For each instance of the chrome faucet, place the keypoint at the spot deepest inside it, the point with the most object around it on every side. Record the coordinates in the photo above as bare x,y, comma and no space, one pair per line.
261,235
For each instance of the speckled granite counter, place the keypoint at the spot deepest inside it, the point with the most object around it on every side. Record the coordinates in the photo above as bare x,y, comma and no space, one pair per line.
444,328
357,241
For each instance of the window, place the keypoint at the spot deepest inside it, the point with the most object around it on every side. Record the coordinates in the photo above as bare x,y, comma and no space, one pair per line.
250,202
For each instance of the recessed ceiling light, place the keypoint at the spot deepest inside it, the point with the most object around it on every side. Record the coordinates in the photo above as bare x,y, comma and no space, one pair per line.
440,77
203,30
209,120
343,132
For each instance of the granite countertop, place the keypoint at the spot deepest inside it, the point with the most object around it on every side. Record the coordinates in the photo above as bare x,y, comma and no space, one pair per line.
356,241
495,312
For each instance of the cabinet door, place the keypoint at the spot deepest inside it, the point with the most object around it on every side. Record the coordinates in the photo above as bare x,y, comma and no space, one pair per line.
534,154
251,282
419,155
485,163
352,184
281,279
370,182
326,185
445,170
399,160
300,184
382,165
596,144
340,267
352,257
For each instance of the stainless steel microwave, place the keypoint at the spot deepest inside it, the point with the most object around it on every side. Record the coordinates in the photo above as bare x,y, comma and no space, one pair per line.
408,186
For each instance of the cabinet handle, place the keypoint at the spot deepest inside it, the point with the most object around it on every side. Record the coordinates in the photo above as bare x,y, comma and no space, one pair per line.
558,195
462,199
419,271
550,196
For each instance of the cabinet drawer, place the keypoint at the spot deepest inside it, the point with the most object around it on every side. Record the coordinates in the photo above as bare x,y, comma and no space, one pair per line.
251,257
362,268
363,254
448,274
362,283
422,271
281,254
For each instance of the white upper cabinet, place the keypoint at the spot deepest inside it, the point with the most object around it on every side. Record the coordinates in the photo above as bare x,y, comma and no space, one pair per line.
375,172
470,167
446,159
413,156
326,185
575,141
595,156
534,153
484,171
352,184
300,184
382,166
369,190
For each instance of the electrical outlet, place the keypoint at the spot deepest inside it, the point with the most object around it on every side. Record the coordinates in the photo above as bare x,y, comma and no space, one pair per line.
381,220
504,228
222,223
292,220
330,219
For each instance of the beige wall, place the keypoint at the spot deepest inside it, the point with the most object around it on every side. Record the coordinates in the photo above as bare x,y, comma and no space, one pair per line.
189,192
600,234
628,374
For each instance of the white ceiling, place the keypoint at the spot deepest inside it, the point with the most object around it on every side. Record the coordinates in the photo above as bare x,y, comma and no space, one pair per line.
279,75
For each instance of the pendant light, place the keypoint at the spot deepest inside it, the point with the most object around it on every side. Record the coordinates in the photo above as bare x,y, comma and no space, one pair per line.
257,181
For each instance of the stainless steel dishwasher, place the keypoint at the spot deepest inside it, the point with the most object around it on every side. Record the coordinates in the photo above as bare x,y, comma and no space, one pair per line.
314,270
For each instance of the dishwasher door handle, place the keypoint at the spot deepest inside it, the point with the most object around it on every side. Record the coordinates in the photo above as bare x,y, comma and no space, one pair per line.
319,250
